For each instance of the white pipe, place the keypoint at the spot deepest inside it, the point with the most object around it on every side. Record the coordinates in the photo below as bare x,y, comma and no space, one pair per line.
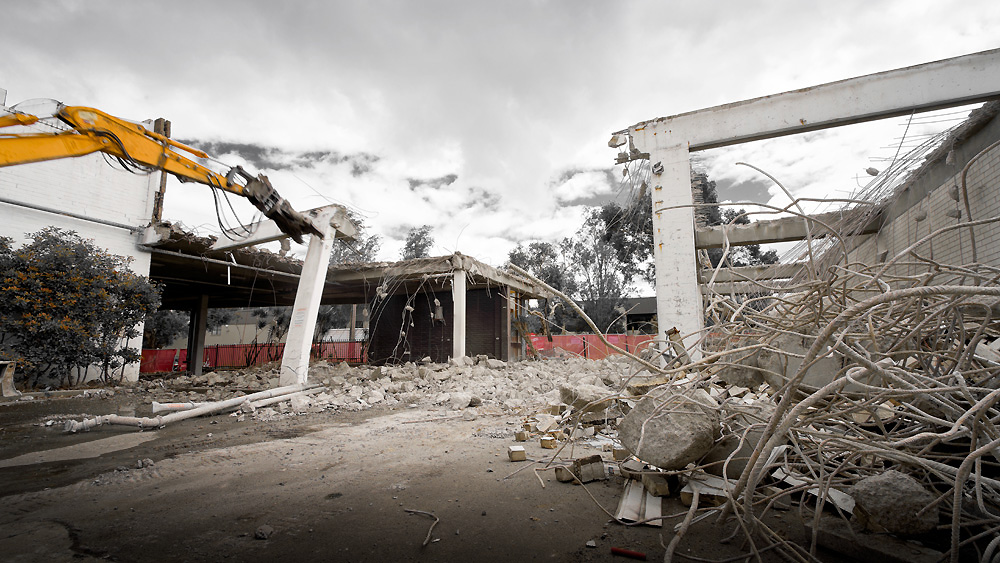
159,421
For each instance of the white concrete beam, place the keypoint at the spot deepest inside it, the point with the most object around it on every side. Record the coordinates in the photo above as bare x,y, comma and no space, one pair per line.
667,142
298,343
268,231
458,296
940,84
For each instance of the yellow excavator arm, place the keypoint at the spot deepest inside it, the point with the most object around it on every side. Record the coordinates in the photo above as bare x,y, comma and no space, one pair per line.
95,131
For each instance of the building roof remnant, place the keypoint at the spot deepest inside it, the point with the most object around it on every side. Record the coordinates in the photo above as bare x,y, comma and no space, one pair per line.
187,267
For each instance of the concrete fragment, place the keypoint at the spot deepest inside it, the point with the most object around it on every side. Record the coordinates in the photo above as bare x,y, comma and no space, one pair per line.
459,400
741,420
671,426
521,436
835,534
656,484
263,532
590,468
890,502
580,396
564,474
517,453
548,442
495,364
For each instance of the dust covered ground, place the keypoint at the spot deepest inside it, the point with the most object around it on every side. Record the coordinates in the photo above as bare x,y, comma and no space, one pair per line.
332,483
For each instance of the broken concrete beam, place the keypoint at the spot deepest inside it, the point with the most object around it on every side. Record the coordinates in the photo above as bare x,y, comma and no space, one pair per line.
892,502
643,387
590,468
671,426
517,453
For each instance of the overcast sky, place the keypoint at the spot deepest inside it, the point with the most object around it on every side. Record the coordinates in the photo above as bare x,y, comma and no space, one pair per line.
488,121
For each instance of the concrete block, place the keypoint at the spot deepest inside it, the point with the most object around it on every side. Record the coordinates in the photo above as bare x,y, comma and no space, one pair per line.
548,442
521,436
590,468
517,453
656,485
564,474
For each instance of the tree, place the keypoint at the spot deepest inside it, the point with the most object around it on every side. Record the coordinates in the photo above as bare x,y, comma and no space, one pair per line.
65,303
363,249
544,261
601,277
629,231
163,327
418,243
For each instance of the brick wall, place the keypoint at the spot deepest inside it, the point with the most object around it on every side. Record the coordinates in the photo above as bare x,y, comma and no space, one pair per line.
924,204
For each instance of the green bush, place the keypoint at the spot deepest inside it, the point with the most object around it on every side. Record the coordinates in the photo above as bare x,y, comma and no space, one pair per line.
66,304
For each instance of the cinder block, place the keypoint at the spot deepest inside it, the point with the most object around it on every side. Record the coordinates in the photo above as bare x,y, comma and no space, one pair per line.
517,453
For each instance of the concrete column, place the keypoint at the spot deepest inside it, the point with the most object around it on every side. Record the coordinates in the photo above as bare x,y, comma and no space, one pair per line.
458,322
678,298
295,360
198,321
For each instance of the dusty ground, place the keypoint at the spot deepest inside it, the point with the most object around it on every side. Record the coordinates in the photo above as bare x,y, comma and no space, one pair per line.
333,486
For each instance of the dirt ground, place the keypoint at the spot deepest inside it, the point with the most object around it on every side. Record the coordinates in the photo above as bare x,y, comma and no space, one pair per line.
330,486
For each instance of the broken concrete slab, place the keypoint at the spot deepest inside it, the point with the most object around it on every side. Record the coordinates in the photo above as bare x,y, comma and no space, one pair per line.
671,426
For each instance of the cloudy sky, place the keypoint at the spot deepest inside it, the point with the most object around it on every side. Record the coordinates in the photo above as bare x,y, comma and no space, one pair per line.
488,121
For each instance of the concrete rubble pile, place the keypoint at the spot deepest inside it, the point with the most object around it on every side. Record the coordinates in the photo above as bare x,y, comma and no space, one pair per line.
886,405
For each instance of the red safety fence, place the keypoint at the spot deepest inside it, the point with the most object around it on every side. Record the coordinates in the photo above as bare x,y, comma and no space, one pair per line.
246,355
589,345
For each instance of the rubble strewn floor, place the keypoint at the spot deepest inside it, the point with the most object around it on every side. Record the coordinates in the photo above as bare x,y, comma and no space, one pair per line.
334,481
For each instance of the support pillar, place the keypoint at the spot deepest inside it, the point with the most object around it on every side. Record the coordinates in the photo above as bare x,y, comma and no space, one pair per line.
678,297
197,328
295,360
458,322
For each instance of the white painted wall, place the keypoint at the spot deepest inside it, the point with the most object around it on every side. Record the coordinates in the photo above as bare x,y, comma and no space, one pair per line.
87,186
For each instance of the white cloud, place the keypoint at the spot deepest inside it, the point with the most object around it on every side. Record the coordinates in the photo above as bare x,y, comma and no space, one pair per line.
507,97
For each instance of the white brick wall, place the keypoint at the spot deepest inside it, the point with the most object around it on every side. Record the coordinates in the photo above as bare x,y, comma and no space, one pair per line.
954,247
86,186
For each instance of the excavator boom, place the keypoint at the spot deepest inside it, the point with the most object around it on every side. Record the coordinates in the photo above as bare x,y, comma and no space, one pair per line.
95,131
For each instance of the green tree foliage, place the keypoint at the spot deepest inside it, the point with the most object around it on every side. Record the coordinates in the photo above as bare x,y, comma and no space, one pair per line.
418,243
66,304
